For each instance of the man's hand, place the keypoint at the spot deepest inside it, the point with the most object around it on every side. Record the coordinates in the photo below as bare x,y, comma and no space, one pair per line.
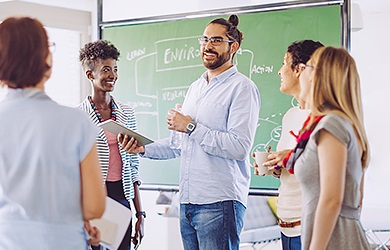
129,144
177,121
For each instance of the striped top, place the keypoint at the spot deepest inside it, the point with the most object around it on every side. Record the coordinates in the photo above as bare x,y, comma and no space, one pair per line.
125,116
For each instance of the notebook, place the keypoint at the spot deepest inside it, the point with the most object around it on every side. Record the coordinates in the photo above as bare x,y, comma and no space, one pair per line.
113,224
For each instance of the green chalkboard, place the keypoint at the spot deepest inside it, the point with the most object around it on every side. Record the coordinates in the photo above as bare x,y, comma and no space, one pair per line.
160,60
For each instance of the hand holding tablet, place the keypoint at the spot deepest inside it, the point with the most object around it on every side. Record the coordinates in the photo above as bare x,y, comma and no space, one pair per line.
116,128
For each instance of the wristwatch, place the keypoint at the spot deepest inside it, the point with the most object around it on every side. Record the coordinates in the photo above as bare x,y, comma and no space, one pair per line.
190,127
140,213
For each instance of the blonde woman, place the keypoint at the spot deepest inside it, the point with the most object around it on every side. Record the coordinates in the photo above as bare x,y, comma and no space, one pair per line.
332,153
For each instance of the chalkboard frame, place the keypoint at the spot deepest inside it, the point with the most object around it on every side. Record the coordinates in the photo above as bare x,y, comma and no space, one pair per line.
345,15
344,21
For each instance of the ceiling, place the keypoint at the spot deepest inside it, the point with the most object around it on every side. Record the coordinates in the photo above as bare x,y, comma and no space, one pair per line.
367,6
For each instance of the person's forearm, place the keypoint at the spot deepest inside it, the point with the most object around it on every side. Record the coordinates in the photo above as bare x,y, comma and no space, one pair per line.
160,150
137,198
139,225
324,222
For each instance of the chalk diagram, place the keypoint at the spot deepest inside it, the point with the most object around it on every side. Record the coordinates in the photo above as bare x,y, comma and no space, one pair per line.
182,54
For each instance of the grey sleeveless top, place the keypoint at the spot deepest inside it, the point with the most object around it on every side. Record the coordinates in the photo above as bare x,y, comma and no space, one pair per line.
348,232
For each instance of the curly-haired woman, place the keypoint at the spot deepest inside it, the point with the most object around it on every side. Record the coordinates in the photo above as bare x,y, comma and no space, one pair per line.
119,168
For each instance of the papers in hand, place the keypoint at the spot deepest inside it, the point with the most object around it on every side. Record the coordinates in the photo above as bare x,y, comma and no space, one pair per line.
108,229
113,224
116,128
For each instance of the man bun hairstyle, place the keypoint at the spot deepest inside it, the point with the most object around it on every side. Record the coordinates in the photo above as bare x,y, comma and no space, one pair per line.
231,24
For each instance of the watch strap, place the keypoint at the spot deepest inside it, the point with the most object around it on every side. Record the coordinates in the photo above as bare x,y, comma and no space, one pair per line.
137,214
190,127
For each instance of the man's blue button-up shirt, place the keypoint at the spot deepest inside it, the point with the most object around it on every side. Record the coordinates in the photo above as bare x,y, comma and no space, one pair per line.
214,162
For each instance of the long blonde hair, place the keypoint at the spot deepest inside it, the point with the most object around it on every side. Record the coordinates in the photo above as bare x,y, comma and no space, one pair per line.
336,89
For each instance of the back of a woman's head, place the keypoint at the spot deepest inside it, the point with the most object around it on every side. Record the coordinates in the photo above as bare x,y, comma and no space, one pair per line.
337,83
336,89
23,52
97,50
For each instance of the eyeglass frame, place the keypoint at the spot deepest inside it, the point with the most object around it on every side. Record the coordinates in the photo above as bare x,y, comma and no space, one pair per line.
204,40
305,66
52,47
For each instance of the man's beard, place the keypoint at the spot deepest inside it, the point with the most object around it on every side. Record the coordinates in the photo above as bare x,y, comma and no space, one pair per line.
217,62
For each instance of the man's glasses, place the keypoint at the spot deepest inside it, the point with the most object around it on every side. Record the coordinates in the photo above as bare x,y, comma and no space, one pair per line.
216,41
305,66
52,47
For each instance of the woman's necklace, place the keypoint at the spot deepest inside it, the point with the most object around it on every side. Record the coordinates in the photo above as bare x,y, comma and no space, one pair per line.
113,110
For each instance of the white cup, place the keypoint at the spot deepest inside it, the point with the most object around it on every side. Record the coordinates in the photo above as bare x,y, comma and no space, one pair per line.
260,158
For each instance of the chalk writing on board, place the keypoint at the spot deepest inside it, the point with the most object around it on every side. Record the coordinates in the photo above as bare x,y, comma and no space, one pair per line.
182,54
136,105
135,53
177,53
262,69
172,94
274,134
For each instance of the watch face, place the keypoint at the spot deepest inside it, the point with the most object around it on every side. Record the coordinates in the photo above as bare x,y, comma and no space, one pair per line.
190,126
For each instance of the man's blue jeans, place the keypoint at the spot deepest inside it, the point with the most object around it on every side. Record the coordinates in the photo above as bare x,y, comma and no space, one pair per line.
215,226
291,243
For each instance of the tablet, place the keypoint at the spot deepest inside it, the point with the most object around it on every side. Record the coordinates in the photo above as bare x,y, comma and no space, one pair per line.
116,128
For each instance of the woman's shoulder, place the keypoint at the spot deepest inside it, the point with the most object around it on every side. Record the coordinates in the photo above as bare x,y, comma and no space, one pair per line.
85,105
333,119
338,126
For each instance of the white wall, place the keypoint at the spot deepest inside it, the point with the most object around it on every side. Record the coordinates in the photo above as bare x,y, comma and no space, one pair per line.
77,26
369,47
86,5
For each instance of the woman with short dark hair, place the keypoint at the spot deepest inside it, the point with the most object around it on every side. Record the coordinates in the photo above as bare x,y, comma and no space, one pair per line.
50,179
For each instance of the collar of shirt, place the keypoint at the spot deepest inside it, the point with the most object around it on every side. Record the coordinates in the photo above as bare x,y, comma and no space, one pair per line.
25,93
221,77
